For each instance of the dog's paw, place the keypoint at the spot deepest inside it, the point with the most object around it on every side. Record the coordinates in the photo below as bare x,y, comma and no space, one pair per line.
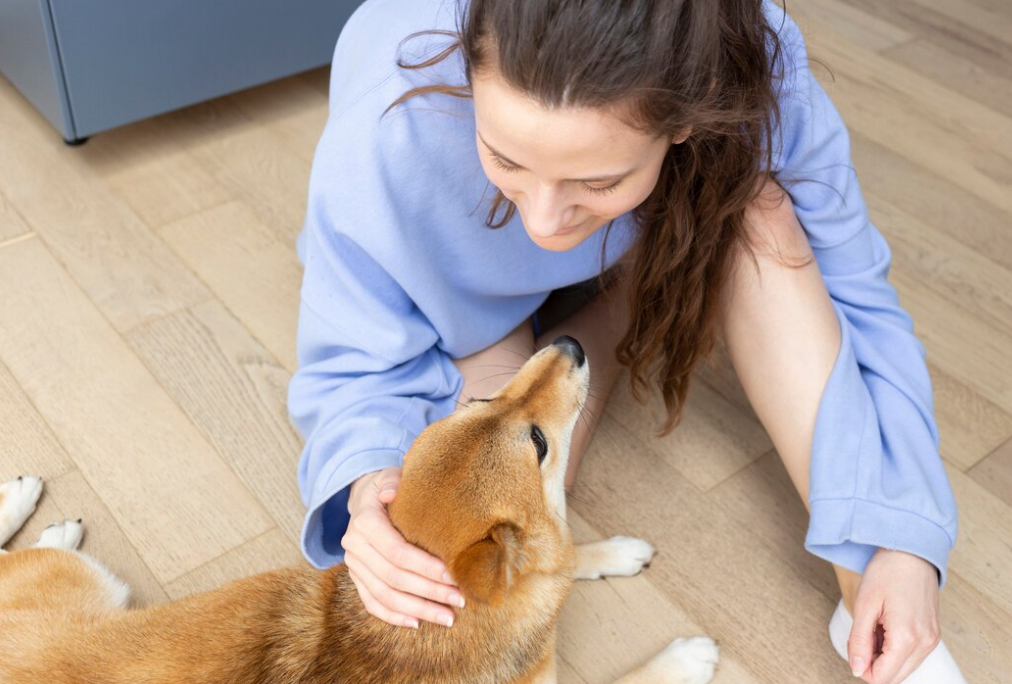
17,502
613,557
63,535
689,660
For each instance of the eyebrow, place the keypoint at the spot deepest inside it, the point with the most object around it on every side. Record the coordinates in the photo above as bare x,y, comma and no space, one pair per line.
595,179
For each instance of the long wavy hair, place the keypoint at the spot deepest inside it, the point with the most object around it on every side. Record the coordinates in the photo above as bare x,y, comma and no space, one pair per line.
661,65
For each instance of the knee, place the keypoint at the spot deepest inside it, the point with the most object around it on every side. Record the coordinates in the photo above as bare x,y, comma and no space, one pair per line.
773,226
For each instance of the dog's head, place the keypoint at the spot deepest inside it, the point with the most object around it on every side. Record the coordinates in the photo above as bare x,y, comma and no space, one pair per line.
483,489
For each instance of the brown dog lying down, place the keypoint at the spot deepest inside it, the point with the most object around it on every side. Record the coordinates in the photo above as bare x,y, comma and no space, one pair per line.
481,489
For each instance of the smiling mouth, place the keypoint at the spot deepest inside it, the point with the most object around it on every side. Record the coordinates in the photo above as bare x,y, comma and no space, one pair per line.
568,229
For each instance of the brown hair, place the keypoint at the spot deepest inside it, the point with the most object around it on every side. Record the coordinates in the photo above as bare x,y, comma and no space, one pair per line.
662,65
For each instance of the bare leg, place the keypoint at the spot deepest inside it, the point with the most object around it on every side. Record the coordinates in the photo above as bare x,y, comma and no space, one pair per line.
783,338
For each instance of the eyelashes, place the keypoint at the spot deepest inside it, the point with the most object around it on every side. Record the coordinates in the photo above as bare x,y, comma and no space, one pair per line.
513,169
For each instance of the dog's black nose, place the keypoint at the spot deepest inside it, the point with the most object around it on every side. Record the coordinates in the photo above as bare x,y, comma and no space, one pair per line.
571,347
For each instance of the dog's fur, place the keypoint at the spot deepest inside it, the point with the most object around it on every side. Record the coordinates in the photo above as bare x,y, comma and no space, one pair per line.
472,493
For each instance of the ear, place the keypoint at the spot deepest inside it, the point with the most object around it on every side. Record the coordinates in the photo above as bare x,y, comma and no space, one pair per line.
487,568
681,136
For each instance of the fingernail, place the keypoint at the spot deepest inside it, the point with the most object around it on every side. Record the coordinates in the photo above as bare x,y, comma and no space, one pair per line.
457,600
857,666
447,578
446,620
411,622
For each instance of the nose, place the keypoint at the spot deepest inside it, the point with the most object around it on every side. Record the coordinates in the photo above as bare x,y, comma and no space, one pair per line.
545,216
572,347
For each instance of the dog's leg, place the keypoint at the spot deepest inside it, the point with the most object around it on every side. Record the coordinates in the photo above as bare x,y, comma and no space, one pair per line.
64,535
684,661
614,557
17,502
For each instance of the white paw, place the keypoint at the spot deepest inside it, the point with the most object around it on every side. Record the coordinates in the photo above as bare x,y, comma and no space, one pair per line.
17,502
687,661
64,535
614,557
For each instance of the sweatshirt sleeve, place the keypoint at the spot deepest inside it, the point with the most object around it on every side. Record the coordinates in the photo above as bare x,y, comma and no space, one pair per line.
371,376
876,477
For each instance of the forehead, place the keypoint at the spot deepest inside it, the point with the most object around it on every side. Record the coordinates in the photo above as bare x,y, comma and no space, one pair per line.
530,134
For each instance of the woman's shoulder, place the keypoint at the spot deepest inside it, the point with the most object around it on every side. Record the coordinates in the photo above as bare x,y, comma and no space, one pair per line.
377,36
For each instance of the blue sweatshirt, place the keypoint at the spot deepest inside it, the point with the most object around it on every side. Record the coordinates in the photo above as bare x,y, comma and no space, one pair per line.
401,276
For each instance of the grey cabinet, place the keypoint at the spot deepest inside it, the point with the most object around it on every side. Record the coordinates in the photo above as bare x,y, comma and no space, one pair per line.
91,65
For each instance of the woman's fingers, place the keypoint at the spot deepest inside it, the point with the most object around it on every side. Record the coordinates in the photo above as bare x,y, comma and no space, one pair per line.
384,537
398,602
407,581
378,609
896,652
903,651
861,644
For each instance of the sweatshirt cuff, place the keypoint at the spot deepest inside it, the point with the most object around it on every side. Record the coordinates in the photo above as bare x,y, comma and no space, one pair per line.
848,532
327,516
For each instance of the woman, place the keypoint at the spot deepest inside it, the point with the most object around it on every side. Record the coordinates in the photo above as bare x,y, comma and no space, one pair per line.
675,126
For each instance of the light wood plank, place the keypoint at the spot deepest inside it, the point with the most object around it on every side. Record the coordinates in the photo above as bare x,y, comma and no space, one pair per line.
269,551
982,555
969,426
611,626
718,372
994,473
815,16
236,394
973,626
125,269
969,143
253,162
711,425
720,571
955,35
956,72
249,269
179,505
152,172
933,198
964,277
293,108
29,446
11,223
103,537
958,342
978,17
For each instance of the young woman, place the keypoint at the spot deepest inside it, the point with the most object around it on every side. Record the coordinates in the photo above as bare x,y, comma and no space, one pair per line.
523,147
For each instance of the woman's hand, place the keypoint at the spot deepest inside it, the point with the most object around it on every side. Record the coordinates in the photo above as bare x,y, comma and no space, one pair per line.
899,591
398,582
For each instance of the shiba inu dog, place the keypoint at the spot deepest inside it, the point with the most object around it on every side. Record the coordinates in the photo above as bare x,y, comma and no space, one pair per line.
481,489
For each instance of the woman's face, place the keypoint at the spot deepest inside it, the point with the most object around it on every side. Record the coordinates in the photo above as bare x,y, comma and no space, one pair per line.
569,172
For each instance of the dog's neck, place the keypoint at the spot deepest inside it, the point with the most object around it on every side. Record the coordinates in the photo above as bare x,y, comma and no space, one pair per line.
486,643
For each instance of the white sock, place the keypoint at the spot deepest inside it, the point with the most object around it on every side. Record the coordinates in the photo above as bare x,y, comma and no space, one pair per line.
938,668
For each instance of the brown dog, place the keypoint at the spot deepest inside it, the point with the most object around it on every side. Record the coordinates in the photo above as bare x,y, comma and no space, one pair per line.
481,489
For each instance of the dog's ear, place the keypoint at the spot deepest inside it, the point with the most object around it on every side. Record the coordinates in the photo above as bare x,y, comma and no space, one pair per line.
487,568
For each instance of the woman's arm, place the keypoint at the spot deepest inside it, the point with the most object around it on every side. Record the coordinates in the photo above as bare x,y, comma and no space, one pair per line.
876,476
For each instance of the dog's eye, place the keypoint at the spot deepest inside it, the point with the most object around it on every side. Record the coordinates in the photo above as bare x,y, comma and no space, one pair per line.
539,443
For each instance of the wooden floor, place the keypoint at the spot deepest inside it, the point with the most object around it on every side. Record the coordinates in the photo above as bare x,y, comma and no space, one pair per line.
148,302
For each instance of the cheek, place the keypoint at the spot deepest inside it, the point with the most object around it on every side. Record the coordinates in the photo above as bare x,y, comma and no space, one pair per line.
622,200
